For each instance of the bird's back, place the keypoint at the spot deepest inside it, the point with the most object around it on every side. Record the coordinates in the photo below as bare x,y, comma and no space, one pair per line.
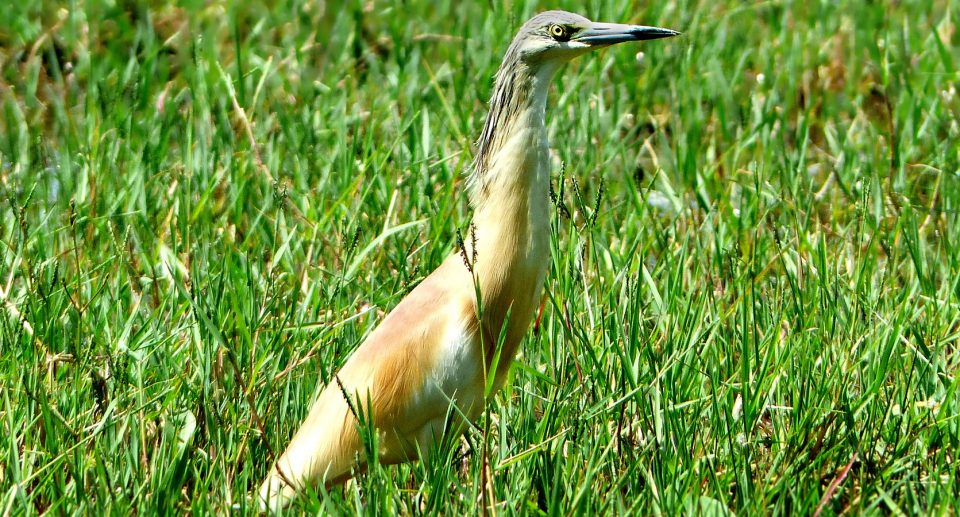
404,376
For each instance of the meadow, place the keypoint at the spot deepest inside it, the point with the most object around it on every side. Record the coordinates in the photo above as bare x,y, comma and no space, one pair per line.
753,305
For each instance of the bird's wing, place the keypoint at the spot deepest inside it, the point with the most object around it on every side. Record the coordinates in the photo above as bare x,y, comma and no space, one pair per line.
392,377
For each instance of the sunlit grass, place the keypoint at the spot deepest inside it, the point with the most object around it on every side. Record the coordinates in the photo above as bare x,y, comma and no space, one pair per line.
753,299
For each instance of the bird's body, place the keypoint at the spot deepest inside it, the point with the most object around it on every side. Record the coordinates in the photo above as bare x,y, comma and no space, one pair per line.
424,370
432,348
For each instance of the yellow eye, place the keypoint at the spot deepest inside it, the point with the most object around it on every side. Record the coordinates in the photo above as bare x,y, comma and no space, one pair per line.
557,31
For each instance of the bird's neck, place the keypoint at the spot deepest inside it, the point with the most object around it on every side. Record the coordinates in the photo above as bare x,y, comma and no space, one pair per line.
510,234
511,169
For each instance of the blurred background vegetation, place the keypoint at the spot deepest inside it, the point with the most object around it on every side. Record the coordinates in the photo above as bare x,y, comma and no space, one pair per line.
753,301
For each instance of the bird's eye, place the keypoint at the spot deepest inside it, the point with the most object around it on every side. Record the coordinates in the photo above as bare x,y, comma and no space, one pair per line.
558,32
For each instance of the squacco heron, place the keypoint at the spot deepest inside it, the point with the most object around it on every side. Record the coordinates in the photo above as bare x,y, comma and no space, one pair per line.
425,370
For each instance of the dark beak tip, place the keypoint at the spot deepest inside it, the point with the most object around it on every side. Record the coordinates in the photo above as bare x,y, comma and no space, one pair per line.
668,33
649,33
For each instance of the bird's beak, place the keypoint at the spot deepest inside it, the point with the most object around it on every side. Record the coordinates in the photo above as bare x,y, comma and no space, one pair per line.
604,34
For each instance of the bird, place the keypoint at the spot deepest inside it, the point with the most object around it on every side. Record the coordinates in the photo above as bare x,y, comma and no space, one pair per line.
431,364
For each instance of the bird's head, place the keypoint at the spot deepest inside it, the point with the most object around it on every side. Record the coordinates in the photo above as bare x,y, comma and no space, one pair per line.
554,37
546,41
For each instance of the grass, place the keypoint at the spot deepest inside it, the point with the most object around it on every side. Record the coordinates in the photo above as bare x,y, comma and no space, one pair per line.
754,298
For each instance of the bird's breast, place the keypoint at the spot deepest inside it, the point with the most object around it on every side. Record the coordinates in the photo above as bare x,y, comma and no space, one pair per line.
458,370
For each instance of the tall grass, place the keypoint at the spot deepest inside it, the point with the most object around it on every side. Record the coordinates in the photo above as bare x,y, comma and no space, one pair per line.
753,299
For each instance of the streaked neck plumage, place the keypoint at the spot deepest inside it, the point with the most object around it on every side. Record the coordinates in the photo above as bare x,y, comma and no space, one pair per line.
509,192
517,111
